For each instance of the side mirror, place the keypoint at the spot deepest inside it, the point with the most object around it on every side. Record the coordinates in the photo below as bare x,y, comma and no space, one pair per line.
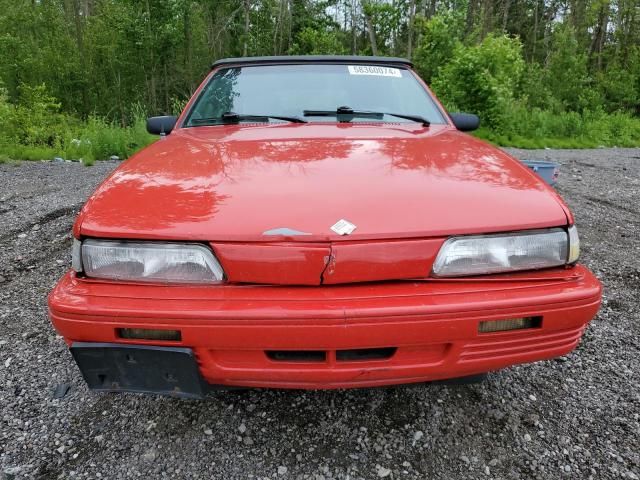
465,122
161,125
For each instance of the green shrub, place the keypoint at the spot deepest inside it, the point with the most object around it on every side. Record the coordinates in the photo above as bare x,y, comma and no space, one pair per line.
35,130
36,119
533,90
482,79
439,37
618,87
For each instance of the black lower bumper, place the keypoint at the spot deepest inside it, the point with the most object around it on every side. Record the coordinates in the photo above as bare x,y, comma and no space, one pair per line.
110,367
173,371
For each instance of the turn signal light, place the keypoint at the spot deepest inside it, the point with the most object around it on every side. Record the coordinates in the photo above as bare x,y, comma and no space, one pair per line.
149,334
492,326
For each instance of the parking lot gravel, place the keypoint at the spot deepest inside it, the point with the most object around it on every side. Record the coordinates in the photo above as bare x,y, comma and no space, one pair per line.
574,417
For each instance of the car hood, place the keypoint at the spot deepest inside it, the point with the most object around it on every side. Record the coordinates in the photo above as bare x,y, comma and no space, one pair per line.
294,181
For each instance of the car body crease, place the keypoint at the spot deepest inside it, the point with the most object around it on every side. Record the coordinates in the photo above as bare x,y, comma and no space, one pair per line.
330,259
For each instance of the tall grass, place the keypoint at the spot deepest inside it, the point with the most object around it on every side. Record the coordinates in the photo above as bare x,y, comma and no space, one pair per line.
534,128
95,139
99,140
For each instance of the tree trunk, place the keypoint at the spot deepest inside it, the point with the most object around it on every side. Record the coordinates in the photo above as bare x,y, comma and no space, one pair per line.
354,37
152,79
276,26
247,7
471,12
118,82
394,30
167,101
290,37
432,8
86,8
188,48
577,17
372,32
487,18
285,15
535,33
599,36
505,15
412,17
79,10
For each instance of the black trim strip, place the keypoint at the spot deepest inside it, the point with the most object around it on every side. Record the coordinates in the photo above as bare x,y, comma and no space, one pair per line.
331,59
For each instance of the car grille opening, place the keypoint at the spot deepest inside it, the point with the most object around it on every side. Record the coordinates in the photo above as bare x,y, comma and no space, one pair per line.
322,356
365,354
297,355
493,326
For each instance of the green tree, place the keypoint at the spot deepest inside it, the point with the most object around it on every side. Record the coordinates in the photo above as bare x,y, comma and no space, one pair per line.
439,37
317,42
566,76
482,78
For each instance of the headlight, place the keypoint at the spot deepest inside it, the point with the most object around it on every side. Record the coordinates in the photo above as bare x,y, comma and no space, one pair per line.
147,262
484,254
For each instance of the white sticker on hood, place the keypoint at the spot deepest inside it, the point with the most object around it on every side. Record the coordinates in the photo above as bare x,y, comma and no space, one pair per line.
374,70
343,227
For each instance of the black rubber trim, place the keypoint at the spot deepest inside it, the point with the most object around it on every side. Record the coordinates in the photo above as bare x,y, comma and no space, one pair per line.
331,59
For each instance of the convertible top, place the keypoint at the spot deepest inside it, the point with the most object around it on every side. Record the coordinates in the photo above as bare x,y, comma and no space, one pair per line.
298,59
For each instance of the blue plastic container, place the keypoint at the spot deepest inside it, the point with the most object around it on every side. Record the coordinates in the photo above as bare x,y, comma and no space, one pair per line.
549,171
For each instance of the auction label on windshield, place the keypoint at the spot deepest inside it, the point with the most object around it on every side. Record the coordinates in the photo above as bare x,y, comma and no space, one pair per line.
374,70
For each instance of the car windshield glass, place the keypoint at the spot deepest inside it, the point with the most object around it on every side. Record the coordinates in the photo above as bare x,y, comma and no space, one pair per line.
289,90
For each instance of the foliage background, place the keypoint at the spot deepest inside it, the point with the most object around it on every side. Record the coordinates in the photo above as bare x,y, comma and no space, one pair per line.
78,77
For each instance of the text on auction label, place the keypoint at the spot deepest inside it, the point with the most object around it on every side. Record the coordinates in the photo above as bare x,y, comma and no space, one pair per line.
374,70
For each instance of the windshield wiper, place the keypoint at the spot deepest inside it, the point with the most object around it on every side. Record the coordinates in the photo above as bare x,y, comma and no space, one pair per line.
343,112
347,113
232,117
413,118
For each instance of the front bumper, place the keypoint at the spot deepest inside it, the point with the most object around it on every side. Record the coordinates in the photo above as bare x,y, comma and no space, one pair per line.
428,329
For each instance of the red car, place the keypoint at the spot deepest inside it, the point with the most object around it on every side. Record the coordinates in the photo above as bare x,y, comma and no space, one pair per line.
318,222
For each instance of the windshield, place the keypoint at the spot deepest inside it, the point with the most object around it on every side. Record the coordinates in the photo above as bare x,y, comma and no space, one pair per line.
292,90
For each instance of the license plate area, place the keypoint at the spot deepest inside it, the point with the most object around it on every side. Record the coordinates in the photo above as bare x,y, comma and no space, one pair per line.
109,367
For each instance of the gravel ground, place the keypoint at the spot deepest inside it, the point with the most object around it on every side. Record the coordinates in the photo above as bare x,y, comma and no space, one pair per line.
575,417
